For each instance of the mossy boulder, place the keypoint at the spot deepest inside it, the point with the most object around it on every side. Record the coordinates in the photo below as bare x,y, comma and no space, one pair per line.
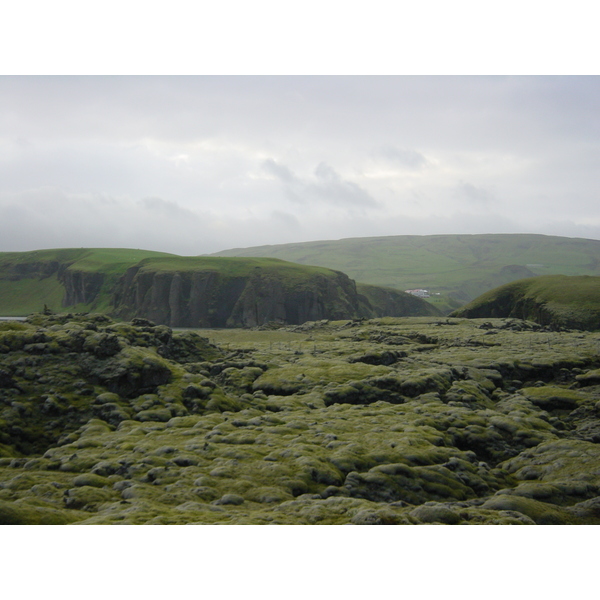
349,445
552,398
13,513
433,512
540,512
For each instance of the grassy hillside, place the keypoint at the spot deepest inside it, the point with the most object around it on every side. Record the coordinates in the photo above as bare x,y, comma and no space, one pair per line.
556,300
30,280
82,259
186,291
460,267
388,301
235,267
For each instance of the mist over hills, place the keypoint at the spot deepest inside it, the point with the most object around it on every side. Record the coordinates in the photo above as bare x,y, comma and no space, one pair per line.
458,267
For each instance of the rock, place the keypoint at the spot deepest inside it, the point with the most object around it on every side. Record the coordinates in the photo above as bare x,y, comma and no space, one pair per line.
431,512
92,480
87,497
233,499
382,516
589,378
12,513
154,414
552,398
540,512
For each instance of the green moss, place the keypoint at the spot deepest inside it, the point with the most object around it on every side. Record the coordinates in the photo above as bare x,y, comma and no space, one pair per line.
12,513
294,458
550,397
540,512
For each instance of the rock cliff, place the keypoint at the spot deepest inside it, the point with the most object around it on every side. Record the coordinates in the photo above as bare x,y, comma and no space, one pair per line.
81,287
190,291
209,298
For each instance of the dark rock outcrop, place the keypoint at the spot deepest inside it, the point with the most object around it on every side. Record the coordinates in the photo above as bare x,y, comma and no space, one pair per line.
211,299
81,287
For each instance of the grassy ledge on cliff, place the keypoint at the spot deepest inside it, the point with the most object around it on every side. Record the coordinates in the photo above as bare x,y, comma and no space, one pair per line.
555,300
188,291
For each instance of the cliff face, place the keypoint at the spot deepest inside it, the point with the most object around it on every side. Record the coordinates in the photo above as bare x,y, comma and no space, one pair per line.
266,298
191,291
81,287
210,299
509,303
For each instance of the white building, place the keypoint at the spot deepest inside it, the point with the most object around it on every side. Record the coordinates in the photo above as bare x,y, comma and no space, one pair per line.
419,293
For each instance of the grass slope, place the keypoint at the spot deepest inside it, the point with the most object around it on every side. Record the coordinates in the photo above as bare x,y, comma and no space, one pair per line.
461,267
388,301
235,267
29,280
554,299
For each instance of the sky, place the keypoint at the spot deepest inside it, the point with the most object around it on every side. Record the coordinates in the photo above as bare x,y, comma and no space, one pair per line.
198,164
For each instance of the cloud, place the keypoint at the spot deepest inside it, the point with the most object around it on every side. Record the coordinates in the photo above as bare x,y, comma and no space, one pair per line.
286,219
326,186
52,218
473,194
330,187
167,207
410,159
200,164
281,172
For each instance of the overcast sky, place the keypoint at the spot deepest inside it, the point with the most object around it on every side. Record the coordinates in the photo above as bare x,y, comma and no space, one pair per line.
198,164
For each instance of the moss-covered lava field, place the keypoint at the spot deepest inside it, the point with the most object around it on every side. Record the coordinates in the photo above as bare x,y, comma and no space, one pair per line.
384,421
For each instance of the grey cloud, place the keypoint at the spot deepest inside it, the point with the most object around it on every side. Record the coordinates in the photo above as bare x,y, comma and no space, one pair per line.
327,186
407,158
167,207
170,163
286,219
51,218
474,194
279,171
331,188
453,112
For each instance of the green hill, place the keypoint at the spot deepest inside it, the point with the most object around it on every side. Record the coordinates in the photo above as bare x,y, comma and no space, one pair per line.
554,300
189,291
458,267
80,278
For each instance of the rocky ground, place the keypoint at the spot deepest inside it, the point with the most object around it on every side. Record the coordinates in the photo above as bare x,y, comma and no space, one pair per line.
382,421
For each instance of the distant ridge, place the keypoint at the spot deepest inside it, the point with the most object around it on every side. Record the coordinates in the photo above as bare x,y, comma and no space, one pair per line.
458,267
